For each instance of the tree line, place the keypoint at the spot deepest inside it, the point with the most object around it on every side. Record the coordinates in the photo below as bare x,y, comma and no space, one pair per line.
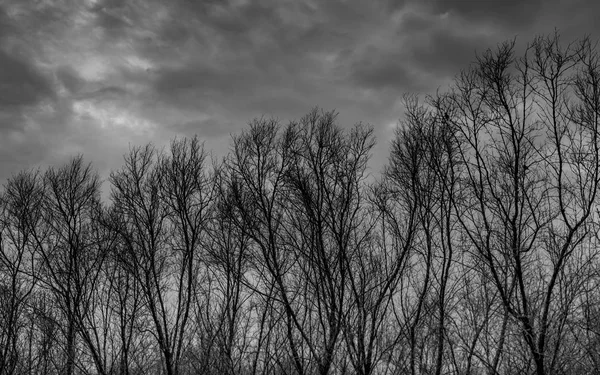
474,252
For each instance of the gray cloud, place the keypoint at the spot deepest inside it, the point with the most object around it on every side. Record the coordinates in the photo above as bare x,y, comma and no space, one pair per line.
445,54
211,127
97,76
20,83
5,24
69,78
506,13
378,70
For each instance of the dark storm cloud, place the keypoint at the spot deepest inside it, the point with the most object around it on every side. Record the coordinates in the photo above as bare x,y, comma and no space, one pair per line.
505,13
375,69
230,20
5,24
69,79
20,83
24,88
262,56
112,15
419,48
172,82
445,54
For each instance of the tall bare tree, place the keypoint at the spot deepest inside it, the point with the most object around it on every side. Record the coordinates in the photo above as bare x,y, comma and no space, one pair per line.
530,134
163,200
66,244
19,215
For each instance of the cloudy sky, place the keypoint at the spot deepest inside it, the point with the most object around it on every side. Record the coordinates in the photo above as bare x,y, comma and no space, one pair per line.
95,76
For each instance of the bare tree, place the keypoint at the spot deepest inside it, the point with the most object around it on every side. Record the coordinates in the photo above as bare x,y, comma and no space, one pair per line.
19,205
298,193
256,168
121,297
530,135
421,183
163,200
228,264
325,185
65,243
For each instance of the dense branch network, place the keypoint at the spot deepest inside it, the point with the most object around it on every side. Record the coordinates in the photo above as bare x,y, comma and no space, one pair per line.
474,251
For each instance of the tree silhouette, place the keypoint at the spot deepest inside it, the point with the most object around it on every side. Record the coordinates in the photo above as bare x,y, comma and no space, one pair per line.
474,251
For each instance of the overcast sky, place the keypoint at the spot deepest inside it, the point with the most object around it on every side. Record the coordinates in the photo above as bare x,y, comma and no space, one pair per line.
93,77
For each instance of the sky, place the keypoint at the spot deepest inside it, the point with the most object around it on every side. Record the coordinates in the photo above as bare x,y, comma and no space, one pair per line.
95,77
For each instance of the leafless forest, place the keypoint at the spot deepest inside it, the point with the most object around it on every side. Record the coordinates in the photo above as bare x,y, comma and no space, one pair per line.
474,252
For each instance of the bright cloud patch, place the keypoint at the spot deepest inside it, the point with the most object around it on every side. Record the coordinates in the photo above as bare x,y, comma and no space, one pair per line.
110,116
